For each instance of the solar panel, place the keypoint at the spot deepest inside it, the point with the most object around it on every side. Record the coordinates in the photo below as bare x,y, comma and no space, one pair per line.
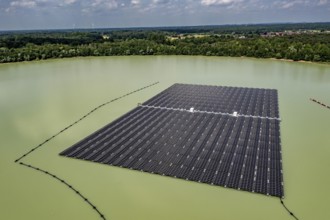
190,132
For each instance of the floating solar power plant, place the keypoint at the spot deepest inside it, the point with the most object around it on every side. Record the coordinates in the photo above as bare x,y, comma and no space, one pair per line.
165,136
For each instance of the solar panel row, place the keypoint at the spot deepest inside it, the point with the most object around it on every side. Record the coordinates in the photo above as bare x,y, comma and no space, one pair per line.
245,101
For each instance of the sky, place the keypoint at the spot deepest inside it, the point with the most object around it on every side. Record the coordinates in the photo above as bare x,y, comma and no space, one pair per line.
63,14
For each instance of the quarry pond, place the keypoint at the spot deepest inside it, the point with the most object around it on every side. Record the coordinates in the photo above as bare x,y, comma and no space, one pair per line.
39,99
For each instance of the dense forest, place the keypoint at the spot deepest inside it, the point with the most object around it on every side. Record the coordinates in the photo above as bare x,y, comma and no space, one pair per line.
309,42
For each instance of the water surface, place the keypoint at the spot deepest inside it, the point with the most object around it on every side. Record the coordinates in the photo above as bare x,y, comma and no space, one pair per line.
37,99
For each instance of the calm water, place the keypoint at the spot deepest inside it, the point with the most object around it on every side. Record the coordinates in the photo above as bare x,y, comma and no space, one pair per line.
38,99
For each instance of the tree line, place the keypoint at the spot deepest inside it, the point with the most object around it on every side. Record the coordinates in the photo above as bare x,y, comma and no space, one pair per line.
17,47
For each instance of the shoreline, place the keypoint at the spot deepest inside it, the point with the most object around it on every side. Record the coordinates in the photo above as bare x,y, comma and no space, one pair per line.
298,61
257,58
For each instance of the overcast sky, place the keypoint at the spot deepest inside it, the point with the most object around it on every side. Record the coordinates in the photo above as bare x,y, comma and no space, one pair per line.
54,14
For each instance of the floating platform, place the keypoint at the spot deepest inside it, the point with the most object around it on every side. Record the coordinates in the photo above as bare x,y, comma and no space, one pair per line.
224,136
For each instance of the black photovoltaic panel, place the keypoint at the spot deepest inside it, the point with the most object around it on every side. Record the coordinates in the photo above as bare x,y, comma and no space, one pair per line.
245,101
237,152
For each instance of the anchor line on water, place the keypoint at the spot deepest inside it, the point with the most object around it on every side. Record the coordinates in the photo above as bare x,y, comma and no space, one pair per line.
67,184
288,210
58,133
320,103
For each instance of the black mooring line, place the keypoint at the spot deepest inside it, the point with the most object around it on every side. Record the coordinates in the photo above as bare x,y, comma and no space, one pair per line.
320,103
67,184
64,129
288,210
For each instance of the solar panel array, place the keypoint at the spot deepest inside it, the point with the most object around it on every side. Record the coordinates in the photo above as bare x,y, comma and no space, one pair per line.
206,145
245,101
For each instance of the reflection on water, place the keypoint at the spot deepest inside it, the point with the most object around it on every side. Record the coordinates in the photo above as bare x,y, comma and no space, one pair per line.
38,99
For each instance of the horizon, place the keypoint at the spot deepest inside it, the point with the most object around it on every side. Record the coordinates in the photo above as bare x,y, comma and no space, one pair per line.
165,27
16,15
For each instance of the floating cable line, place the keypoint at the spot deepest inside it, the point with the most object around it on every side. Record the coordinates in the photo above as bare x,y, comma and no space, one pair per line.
288,210
18,160
320,103
67,184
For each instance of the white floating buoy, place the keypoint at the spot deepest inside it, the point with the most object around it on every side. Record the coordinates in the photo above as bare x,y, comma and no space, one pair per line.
191,110
235,114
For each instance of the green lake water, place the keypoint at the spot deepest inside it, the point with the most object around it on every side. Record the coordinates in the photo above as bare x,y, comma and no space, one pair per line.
38,99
